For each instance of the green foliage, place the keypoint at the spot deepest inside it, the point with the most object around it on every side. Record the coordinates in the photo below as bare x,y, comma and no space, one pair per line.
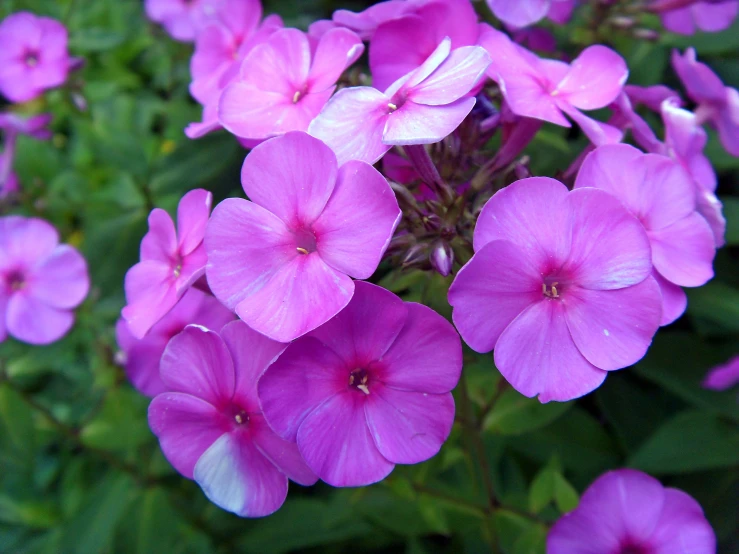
82,473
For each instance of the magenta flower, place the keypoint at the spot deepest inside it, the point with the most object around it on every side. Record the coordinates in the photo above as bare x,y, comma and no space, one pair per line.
183,19
367,390
401,44
559,285
283,84
423,107
661,195
710,17
549,89
210,425
628,512
365,23
36,126
171,261
140,357
724,376
717,103
523,13
41,281
282,260
33,57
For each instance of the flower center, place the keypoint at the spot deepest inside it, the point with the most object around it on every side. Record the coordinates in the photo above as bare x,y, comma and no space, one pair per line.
632,549
15,281
305,241
239,415
31,59
359,379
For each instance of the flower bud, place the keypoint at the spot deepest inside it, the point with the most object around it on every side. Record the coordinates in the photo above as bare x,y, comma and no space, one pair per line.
442,258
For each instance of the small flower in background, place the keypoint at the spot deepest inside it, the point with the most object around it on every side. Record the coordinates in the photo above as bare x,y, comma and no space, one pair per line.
560,286
422,107
140,357
523,13
709,17
628,512
41,281
367,390
282,261
724,376
283,83
717,104
209,422
182,19
171,261
544,89
12,125
33,57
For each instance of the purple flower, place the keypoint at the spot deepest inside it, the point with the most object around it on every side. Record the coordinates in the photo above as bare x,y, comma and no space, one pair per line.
717,103
523,13
283,84
33,57
282,260
171,261
548,89
367,390
36,126
559,285
628,512
141,356
724,376
422,107
41,281
365,23
710,17
661,195
210,425
184,19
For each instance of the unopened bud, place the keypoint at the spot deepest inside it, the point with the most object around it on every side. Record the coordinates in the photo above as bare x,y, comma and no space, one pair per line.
442,258
645,34
622,22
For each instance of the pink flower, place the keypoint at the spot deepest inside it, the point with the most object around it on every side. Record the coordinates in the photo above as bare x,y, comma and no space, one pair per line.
36,126
627,511
559,285
661,195
717,103
401,44
220,49
183,19
710,17
367,390
141,356
41,281
422,107
33,57
282,260
523,13
724,376
210,425
365,23
548,89
283,84
171,261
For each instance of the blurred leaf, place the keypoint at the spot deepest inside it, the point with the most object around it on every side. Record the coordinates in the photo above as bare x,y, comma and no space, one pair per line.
706,43
121,424
95,39
731,213
716,302
565,495
17,433
691,441
519,535
542,489
515,414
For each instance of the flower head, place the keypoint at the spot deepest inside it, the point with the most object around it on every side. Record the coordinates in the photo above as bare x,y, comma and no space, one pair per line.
367,390
549,89
283,83
41,281
662,196
171,261
33,57
559,285
210,425
724,376
283,259
628,512
141,356
710,17
183,19
422,107
523,13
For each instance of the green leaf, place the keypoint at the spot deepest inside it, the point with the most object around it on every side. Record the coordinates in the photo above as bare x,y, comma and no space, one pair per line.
121,424
541,492
95,39
691,441
17,433
731,213
565,495
515,414
716,302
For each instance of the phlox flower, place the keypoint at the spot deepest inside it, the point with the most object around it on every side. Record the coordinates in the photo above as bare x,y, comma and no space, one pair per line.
662,196
171,261
283,259
523,13
140,357
549,89
422,107
367,390
41,281
628,512
560,285
183,19
36,126
724,376
717,104
33,57
710,17
210,425
283,83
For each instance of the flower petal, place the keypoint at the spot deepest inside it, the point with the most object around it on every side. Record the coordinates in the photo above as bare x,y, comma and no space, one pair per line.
151,293
537,356
336,51
683,252
598,132
283,454
682,527
192,217
279,65
596,77
32,320
454,78
337,445
26,240
160,243
522,13
420,124
674,299
61,281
